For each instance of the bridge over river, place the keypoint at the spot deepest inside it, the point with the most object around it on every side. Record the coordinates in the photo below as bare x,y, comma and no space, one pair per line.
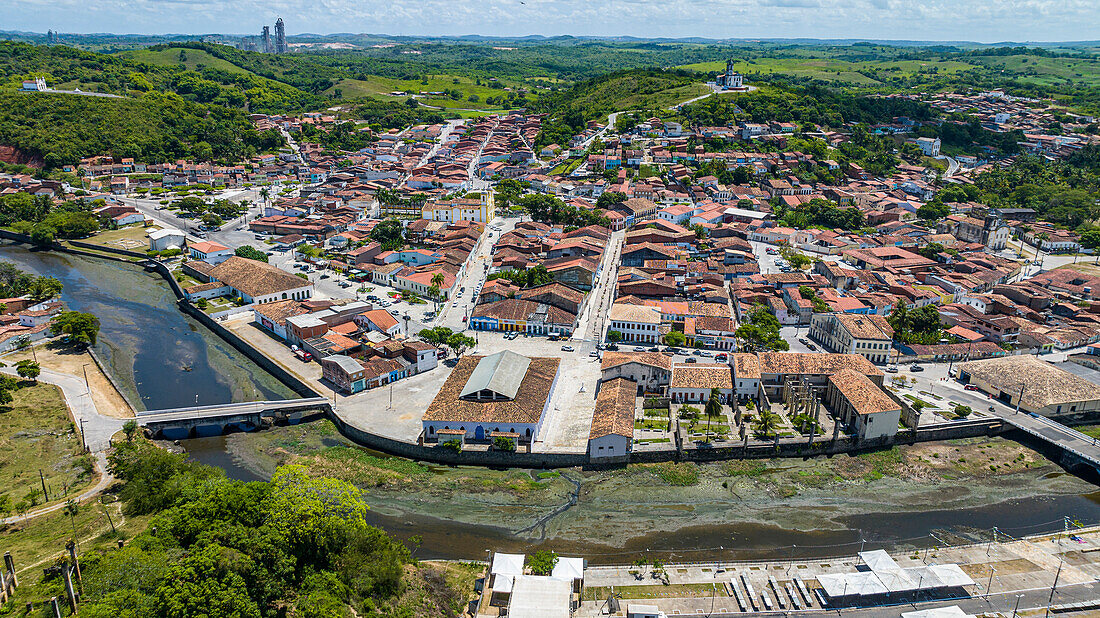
199,421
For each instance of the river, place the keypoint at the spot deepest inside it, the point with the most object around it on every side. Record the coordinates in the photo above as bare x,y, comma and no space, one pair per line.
159,356
146,343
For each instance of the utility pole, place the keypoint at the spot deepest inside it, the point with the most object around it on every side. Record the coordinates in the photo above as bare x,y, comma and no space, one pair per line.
1020,398
45,494
1054,585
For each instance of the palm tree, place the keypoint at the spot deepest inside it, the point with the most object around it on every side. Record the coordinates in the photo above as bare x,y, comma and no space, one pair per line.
767,422
437,285
713,409
265,194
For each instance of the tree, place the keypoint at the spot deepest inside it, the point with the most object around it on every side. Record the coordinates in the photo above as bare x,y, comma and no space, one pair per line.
390,234
609,199
963,411
250,252
1090,239
28,369
437,336
130,428
458,343
435,289
761,332
614,336
689,413
45,288
542,562
933,211
72,509
767,422
80,327
675,338
713,408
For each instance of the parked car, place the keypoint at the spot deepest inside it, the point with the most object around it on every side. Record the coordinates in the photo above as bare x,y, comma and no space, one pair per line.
324,277
567,348
811,347
970,387
916,368
892,369
594,354
691,359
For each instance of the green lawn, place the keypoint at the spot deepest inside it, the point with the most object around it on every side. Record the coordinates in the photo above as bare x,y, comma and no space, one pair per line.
37,437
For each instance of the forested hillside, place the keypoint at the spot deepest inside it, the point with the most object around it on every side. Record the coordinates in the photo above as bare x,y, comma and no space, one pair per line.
296,546
595,98
62,128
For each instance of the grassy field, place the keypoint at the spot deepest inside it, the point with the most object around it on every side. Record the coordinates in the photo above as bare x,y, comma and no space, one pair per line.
380,87
862,73
37,436
129,238
1047,71
195,57
870,73
39,541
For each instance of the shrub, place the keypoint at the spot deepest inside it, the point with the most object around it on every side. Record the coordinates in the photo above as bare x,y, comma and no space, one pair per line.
454,445
502,443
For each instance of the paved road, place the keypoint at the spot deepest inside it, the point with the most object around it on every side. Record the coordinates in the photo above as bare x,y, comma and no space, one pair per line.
952,167
462,303
592,324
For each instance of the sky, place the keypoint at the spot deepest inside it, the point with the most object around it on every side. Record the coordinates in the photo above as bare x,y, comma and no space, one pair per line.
983,21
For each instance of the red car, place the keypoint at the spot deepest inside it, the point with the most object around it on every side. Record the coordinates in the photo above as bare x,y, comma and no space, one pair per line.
970,387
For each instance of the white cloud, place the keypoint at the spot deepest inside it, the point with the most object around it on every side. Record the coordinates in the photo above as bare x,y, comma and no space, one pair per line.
974,20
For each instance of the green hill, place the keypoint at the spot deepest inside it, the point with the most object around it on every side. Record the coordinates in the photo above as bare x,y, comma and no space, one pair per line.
62,128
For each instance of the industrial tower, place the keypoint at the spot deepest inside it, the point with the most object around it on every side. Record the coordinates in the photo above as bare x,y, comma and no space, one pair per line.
280,37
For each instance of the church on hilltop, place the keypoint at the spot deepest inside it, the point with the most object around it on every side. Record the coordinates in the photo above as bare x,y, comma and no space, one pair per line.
730,80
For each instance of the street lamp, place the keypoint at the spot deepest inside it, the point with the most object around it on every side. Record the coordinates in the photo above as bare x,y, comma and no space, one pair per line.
1017,608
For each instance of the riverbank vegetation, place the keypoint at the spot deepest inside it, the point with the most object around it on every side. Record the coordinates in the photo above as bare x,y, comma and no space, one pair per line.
298,545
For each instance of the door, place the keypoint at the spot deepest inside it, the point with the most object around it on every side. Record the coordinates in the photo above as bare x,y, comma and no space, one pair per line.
479,433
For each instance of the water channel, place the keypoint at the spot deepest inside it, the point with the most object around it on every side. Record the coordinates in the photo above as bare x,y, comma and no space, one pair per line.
163,358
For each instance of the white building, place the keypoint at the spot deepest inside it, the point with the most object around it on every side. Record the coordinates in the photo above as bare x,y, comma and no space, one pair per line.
168,238
636,323
869,336
500,395
861,405
692,383
650,371
746,375
612,432
929,146
479,209
210,252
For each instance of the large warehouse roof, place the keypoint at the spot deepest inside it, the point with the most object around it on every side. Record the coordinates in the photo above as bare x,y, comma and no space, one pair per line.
1043,384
